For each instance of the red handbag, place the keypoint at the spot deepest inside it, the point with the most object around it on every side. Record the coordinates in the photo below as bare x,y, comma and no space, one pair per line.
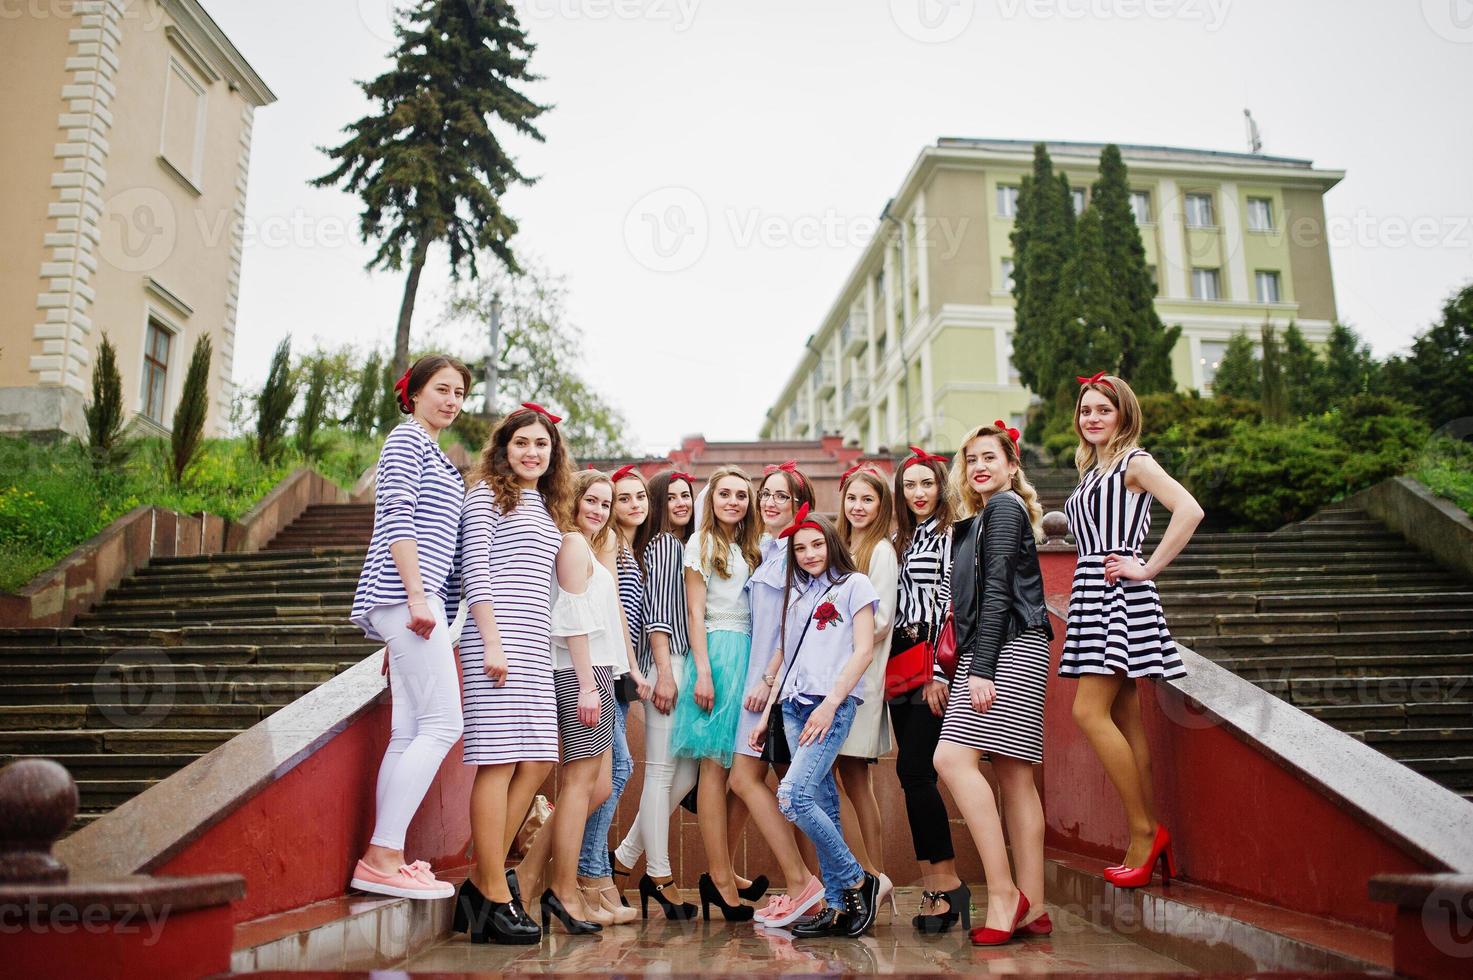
914,667
946,647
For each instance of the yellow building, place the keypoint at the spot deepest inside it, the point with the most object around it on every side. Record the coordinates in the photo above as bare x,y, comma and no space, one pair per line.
125,141
916,347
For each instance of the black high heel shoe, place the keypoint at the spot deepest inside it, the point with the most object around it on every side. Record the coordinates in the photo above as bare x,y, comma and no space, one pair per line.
649,888
958,907
711,895
470,906
756,889
503,923
553,908
614,872
512,884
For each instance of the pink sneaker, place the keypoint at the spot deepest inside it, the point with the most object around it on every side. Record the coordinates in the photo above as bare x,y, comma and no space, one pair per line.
796,908
776,908
410,881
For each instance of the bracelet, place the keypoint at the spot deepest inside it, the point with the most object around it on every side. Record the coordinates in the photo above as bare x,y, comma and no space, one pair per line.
419,602
769,679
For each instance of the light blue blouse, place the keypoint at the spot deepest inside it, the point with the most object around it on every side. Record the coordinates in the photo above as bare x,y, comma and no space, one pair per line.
819,646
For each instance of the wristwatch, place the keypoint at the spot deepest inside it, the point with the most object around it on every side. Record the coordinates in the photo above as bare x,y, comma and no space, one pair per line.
769,679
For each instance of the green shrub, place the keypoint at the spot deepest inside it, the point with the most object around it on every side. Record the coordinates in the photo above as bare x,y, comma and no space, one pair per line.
1446,468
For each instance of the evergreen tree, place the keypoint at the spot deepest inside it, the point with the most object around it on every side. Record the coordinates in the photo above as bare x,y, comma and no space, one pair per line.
1349,368
314,407
364,411
194,407
1043,240
108,444
427,164
1146,344
1437,376
1275,399
1087,338
388,401
1238,373
274,403
1301,372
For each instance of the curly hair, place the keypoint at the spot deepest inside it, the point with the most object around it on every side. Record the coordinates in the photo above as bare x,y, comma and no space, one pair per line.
717,539
556,482
969,501
905,521
861,544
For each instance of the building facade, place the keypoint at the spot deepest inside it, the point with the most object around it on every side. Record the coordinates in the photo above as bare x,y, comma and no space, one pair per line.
917,346
125,144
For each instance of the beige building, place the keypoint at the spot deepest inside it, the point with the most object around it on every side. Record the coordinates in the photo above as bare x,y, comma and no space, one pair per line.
916,347
125,139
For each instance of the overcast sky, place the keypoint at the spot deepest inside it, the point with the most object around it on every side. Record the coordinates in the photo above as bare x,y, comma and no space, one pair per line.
788,123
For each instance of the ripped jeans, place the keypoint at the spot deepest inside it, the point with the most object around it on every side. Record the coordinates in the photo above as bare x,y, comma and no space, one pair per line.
809,797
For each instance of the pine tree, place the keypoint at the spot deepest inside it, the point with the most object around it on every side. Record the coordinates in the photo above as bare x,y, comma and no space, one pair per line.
1087,315
1238,373
427,164
364,410
314,407
194,407
1301,370
1145,359
388,401
1437,376
1043,240
1275,400
108,444
274,403
1349,369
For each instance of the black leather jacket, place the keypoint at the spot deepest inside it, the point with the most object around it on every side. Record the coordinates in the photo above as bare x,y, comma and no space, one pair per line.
996,585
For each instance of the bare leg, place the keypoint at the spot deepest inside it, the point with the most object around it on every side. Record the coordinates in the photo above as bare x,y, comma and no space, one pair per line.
749,781
575,800
959,767
529,776
1024,812
1126,713
488,829
1092,713
736,826
868,844
711,805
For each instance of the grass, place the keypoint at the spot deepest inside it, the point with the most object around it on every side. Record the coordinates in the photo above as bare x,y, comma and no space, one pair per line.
51,500
1446,468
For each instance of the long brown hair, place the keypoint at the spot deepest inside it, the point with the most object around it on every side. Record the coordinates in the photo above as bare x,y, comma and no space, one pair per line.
799,488
581,483
879,529
905,521
658,522
632,543
717,539
555,485
969,501
841,564
1127,434
420,373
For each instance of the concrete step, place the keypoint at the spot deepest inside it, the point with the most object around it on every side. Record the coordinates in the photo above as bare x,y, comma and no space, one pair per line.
1348,621
1361,647
292,566
99,656
146,700
225,615
1262,583
166,602
59,717
139,765
340,634
1326,691
1453,772
244,559
55,745
100,795
1420,743
334,581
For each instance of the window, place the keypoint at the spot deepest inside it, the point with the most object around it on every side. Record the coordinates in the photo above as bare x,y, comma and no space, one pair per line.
1199,211
1260,214
1077,193
1007,201
155,370
1007,353
1205,284
1267,284
1212,354
1007,274
182,140
880,288
1140,205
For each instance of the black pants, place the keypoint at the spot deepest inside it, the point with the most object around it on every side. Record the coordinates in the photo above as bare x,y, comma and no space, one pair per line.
916,734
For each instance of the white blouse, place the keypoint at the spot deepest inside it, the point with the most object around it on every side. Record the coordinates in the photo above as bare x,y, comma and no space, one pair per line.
727,605
593,613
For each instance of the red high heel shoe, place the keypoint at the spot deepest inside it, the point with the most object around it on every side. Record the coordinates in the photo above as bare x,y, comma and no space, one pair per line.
1039,927
982,936
1124,877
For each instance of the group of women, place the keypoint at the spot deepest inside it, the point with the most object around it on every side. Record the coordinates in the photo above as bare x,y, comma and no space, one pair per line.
755,633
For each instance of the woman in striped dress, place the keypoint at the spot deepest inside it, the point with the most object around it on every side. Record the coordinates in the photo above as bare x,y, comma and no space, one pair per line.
508,547
996,704
663,654
400,601
1116,634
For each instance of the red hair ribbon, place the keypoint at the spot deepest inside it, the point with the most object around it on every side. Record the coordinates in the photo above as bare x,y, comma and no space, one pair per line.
590,466
534,407
799,523
677,475
787,466
919,455
622,472
855,469
1098,379
1013,433
401,388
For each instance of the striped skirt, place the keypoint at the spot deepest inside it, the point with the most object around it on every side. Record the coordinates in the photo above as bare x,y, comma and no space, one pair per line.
580,741
1013,726
1116,629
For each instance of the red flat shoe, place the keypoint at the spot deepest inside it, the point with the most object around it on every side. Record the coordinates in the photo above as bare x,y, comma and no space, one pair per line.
1124,877
982,936
1039,927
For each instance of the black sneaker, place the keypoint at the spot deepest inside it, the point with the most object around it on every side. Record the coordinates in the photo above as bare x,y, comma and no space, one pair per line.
829,922
861,906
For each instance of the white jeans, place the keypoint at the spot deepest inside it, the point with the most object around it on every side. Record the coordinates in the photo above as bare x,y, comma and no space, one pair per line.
666,781
426,721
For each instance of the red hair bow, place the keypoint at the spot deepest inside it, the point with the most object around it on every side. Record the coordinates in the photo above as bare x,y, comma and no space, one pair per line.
1013,433
534,407
855,469
677,475
919,455
401,388
1098,379
622,472
787,466
799,523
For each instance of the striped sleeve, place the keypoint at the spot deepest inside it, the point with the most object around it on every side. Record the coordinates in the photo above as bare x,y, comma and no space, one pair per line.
400,467
664,599
477,527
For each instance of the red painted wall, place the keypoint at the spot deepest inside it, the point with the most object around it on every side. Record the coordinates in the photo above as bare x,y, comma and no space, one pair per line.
1239,821
186,944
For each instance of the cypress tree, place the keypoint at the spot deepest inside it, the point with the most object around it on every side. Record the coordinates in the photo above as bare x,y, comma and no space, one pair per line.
194,406
107,443
364,410
1146,343
427,164
1301,370
1275,399
1238,373
1349,367
314,407
1043,241
1086,316
274,403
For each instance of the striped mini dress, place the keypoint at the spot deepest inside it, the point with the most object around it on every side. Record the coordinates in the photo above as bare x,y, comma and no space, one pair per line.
1113,629
1013,726
508,561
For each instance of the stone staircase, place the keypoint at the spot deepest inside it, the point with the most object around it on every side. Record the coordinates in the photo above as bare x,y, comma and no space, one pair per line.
183,655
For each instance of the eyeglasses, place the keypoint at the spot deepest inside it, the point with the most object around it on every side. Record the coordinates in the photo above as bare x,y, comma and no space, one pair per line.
776,496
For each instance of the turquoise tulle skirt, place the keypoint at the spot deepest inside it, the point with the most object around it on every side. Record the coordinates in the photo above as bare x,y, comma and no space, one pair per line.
711,734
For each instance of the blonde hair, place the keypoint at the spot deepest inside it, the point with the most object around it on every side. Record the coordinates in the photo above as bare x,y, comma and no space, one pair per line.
582,481
1127,434
716,540
878,530
969,501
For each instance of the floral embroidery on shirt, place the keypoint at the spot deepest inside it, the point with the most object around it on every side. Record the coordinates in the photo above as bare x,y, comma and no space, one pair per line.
827,613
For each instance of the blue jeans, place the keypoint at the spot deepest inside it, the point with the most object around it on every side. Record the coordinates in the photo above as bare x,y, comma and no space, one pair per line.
809,797
593,860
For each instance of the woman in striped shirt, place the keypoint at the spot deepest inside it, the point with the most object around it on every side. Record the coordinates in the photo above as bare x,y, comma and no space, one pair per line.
400,600
663,653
